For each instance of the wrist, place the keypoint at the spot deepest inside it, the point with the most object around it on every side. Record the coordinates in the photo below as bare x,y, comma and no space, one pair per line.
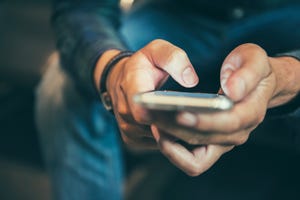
105,73
287,72
114,74
101,63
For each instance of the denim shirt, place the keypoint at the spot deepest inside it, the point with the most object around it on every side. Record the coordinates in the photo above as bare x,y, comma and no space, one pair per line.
86,28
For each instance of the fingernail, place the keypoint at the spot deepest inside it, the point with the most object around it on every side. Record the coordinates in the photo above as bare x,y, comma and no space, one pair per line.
227,70
187,119
224,79
189,76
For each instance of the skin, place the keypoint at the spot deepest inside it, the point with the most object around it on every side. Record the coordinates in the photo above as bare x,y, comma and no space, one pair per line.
252,79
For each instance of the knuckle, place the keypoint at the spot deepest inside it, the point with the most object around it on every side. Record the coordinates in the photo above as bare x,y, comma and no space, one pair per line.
193,171
157,42
177,53
256,49
261,118
240,140
250,46
174,55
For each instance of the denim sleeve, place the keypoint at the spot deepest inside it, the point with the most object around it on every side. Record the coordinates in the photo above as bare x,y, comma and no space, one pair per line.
84,29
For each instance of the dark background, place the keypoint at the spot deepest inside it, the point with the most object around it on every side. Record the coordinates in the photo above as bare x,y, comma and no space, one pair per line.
25,43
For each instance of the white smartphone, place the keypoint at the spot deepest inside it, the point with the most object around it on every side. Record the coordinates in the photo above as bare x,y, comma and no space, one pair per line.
180,101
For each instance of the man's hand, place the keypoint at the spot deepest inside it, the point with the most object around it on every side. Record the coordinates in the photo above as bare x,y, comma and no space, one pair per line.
249,77
146,70
254,82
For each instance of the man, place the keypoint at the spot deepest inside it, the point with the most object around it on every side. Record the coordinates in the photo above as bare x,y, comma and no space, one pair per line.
187,40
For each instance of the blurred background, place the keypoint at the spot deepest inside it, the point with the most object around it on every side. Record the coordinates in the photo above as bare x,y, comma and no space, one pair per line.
25,42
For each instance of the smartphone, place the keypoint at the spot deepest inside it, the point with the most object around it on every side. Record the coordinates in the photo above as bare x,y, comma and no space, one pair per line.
183,101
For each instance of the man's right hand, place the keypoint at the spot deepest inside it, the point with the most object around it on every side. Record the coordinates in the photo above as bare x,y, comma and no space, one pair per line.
146,70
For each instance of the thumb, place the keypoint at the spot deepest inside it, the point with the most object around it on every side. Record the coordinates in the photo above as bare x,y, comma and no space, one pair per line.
229,67
242,71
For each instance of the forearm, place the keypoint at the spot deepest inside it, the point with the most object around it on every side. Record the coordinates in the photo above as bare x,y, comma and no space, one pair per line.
84,31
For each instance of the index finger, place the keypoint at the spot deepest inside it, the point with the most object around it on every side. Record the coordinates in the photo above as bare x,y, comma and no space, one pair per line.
193,162
172,60
151,66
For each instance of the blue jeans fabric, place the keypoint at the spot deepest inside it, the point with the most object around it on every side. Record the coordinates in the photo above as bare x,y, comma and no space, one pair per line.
80,139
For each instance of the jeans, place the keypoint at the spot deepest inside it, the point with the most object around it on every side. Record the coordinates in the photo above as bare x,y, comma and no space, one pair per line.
80,139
